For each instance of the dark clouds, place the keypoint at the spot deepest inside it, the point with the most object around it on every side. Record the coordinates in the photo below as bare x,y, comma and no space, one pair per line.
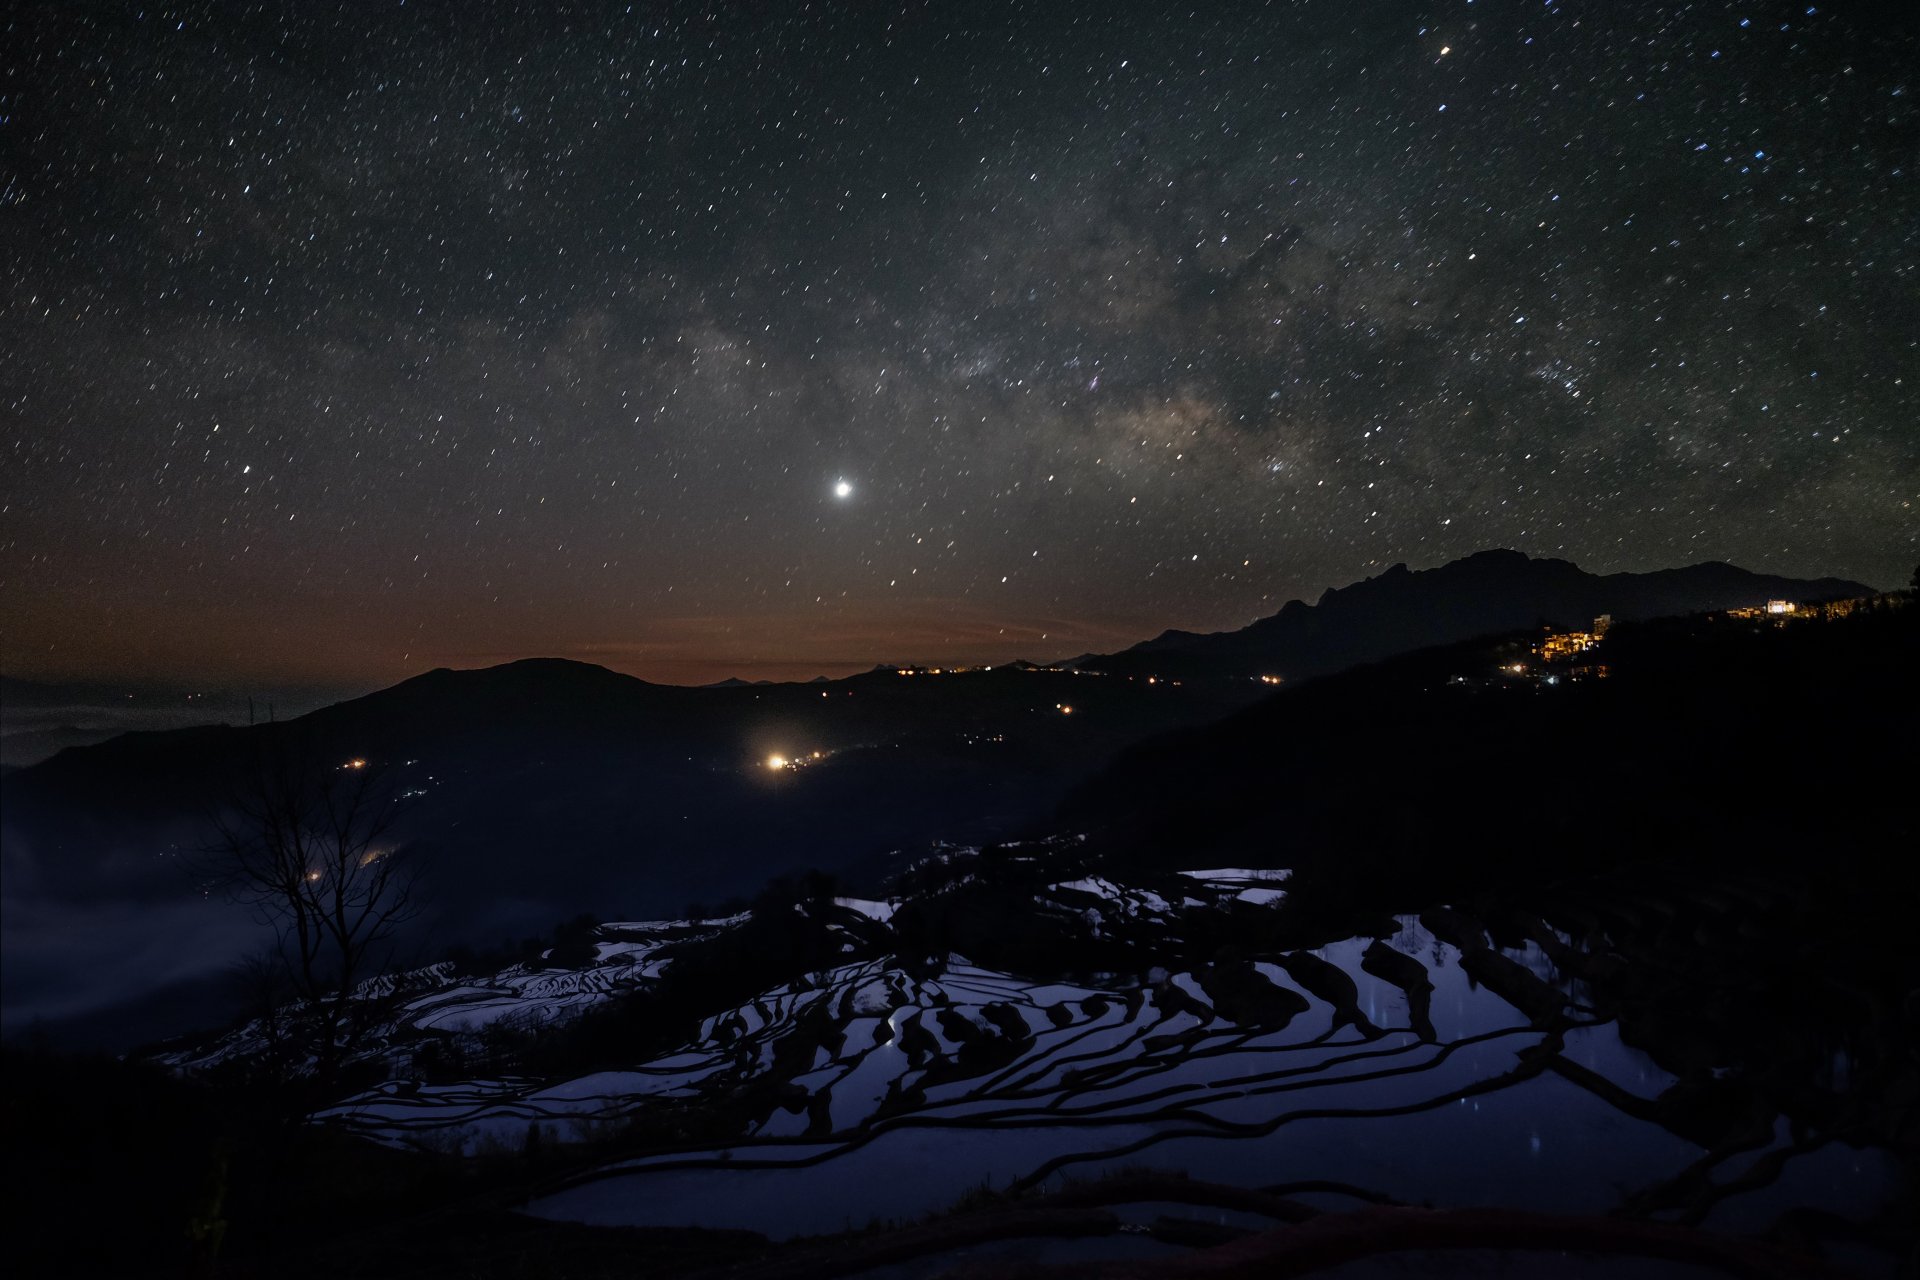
344,340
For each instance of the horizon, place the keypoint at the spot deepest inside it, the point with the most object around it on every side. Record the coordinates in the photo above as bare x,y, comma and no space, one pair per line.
697,672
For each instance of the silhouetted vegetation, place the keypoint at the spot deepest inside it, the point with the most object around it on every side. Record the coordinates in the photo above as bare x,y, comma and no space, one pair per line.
306,843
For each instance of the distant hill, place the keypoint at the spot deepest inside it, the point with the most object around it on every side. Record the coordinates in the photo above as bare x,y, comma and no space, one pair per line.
544,788
548,787
1402,610
38,719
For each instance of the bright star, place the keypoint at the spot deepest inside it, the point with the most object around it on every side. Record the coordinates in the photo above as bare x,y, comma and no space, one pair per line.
843,488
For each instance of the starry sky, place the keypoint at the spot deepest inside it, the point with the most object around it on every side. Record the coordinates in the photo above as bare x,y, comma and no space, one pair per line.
343,340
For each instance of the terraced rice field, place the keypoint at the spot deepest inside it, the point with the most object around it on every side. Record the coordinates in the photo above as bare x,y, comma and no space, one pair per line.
436,1001
1426,1067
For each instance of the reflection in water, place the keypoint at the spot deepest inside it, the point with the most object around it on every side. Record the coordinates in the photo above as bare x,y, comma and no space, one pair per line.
1427,1067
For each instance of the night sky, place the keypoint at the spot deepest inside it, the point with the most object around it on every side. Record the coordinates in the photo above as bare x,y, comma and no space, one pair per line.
340,341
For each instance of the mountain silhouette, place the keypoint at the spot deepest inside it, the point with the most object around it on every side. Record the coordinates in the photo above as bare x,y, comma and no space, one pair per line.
1402,610
542,788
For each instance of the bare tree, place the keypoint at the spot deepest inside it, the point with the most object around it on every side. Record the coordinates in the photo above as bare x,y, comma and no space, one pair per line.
305,843
258,981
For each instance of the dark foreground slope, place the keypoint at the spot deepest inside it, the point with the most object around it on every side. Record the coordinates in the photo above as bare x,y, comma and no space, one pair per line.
1713,742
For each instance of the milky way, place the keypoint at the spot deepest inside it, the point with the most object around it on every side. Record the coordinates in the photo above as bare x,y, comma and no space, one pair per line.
344,340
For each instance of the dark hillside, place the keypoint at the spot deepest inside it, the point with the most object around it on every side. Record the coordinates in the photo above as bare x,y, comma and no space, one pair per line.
1712,741
570,787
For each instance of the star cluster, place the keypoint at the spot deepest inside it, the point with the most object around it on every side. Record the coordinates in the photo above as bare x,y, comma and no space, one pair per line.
348,339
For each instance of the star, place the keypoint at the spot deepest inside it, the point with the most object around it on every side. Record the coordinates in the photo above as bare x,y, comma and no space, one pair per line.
1249,300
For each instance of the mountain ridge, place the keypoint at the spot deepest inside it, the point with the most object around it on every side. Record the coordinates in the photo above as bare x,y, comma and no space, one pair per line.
1398,610
1496,590
543,787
